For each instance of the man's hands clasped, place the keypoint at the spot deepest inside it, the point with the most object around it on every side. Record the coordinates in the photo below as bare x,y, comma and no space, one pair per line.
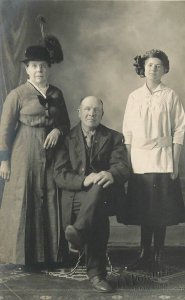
103,178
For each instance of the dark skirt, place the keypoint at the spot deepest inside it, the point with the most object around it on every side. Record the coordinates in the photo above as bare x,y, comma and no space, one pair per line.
154,199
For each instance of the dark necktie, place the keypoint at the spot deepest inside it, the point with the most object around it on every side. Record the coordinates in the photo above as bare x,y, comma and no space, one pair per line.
89,139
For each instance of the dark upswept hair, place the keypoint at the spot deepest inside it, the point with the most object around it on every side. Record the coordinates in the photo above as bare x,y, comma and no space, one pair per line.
139,63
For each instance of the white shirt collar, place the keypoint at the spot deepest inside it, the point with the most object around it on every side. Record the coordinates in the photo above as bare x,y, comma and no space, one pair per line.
160,87
85,132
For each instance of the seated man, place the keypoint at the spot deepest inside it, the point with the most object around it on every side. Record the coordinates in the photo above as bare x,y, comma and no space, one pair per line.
91,168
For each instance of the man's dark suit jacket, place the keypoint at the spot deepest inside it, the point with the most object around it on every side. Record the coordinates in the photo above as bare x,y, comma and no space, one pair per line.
109,154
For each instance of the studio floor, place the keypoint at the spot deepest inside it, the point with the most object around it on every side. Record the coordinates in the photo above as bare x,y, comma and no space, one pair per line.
64,283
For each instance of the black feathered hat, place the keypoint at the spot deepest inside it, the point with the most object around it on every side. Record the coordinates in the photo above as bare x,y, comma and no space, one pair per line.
49,50
36,53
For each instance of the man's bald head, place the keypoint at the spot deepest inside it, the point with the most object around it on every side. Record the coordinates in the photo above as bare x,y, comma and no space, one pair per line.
90,112
94,98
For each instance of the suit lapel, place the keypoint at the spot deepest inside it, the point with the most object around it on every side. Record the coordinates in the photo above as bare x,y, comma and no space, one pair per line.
99,141
78,144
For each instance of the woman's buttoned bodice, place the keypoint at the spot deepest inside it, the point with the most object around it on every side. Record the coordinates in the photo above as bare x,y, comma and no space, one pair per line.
26,106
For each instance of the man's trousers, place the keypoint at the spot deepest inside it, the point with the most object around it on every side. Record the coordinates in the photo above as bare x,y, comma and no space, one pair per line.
90,219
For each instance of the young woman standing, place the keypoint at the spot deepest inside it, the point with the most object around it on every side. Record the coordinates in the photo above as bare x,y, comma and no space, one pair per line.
153,127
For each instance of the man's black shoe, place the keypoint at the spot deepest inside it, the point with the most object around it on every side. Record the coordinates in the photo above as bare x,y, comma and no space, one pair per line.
73,237
101,285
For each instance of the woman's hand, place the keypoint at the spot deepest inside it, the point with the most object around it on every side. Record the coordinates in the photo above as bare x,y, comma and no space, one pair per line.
52,139
5,170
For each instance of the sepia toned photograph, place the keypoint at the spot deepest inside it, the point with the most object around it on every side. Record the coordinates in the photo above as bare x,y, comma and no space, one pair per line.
92,155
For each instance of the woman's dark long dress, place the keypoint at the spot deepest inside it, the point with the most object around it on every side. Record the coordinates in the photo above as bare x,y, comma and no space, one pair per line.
29,215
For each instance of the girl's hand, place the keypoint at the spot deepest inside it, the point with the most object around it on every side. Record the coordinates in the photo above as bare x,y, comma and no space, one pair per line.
176,156
5,170
52,139
175,173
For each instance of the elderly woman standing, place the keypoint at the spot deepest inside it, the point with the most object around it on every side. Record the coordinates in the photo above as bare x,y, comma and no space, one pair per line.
34,122
153,127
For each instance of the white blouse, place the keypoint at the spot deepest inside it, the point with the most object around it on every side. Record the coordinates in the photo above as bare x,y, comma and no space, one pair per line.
152,122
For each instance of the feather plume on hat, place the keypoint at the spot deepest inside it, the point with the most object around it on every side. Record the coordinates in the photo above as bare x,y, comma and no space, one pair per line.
54,48
51,43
